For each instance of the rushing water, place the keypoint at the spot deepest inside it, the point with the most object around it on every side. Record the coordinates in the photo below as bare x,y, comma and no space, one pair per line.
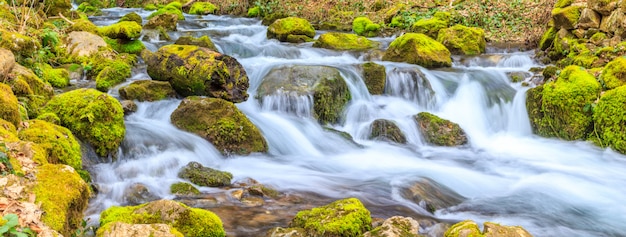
507,174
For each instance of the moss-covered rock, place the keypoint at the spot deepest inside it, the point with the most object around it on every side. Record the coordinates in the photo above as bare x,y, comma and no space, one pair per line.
396,226
63,196
469,228
205,176
192,222
374,77
57,77
329,90
562,108
547,39
19,44
418,49
465,40
221,123
464,229
194,70
614,73
125,229
382,129
589,19
344,41
203,41
346,217
56,7
58,142
127,30
8,133
115,73
363,26
431,26
438,131
88,9
291,27
567,17
182,188
8,105
126,46
83,25
174,7
34,91
147,90
609,118
93,116
604,7
202,8
132,16
165,21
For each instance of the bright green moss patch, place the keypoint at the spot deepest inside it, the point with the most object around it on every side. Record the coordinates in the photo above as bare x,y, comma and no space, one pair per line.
125,46
57,77
88,9
609,118
147,90
465,40
614,73
59,142
363,26
202,8
84,25
431,26
343,41
418,49
183,188
132,17
567,17
126,30
172,8
283,28
254,11
346,217
113,74
93,116
8,105
547,39
464,229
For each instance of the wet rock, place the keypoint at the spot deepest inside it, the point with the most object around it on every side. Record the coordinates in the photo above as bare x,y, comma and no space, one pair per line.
252,201
286,232
430,195
463,40
237,194
129,107
147,90
346,217
83,44
602,6
418,49
194,70
469,228
120,229
329,90
374,77
291,29
438,131
386,130
166,21
221,123
138,193
518,76
344,41
396,226
203,41
205,176
182,188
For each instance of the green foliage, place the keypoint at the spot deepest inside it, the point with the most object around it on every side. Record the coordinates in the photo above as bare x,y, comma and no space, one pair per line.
11,228
5,165
346,217
254,11
266,8
125,46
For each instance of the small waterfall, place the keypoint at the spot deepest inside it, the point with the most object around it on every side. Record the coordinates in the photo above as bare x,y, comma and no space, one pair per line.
289,102
411,85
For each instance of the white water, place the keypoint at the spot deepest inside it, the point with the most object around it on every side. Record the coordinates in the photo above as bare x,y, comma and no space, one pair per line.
508,175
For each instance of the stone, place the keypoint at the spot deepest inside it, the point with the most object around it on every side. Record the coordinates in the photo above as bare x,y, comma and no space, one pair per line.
83,44
374,77
138,193
147,90
344,41
418,49
121,229
430,195
589,19
7,62
197,174
604,7
345,217
463,40
386,130
203,41
438,131
166,21
396,226
288,29
129,106
496,230
612,23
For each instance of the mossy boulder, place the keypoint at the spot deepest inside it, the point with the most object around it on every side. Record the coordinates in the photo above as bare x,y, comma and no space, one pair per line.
88,9
63,196
203,41
562,108
126,46
589,19
21,45
165,21
202,8
346,217
125,229
83,25
9,110
324,84
418,49
374,77
291,29
382,129
438,131
27,84
147,90
57,77
604,7
59,143
194,70
182,188
191,222
363,26
205,176
344,41
567,17
221,123
132,16
127,30
464,40
174,7
614,73
547,39
469,228
609,118
431,26
93,116
113,74
396,226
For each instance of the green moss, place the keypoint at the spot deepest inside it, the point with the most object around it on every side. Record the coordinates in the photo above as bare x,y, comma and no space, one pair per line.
31,90
430,26
562,108
374,77
221,123
614,73
363,26
93,116
330,97
9,110
346,217
57,77
192,222
343,41
464,229
438,131
88,9
205,176
126,30
418,49
203,41
115,73
383,129
172,8
84,25
567,17
8,133
282,28
150,7
547,39
202,8
183,189
609,118
563,3
147,90
57,141
132,17
125,46
63,196
21,45
254,11
50,118
465,40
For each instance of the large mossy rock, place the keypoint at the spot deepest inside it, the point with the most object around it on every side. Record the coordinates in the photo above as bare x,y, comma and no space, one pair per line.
374,77
329,90
291,29
438,131
63,196
203,41
614,73
59,143
191,222
174,7
26,84
205,176
344,41
147,90
121,229
363,26
202,8
194,70
469,228
386,130
464,40
418,49
431,26
396,226
165,21
567,17
9,110
221,123
126,30
346,217
609,118
115,73
93,116
562,108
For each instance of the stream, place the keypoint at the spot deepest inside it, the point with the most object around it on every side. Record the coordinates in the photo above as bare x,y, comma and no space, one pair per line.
506,174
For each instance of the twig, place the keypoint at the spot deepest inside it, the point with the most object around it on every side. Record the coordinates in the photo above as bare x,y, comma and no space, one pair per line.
68,20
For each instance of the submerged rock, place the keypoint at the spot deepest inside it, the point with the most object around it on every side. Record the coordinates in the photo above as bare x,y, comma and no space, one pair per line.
418,49
221,123
438,131
291,29
430,195
205,176
396,226
382,129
